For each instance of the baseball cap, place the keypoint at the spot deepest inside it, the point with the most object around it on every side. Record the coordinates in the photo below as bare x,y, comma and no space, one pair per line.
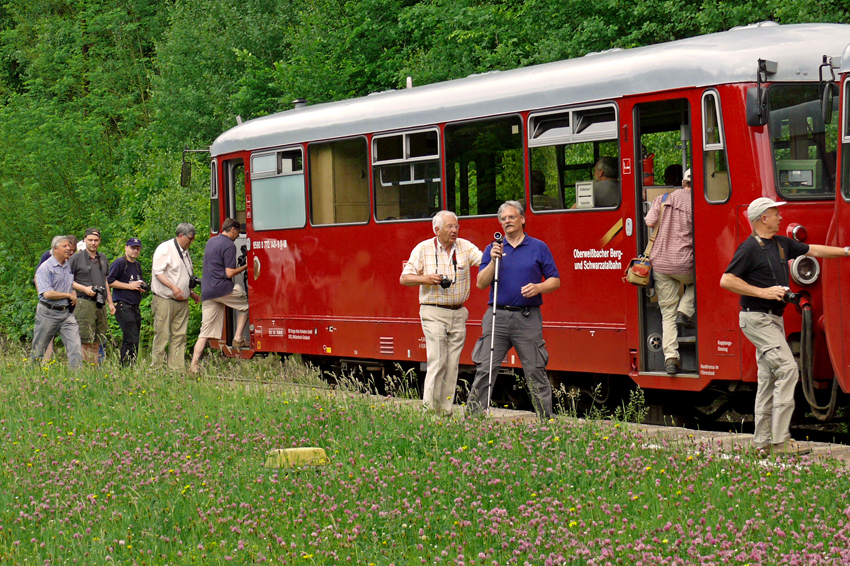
81,245
134,242
92,232
760,206
687,176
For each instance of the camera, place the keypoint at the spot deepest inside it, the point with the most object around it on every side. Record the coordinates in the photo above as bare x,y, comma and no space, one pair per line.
99,295
194,281
791,297
445,282
144,286
243,259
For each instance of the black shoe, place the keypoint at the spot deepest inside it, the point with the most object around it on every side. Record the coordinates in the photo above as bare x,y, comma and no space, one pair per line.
671,366
684,320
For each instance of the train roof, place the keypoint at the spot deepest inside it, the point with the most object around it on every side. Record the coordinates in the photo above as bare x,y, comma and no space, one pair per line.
714,59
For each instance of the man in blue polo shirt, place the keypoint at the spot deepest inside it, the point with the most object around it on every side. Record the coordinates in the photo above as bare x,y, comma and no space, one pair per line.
526,271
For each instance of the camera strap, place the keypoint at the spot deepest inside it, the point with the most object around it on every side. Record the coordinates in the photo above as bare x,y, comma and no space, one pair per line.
437,260
770,263
191,267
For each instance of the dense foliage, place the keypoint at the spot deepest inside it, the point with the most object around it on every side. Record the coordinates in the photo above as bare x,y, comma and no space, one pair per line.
98,97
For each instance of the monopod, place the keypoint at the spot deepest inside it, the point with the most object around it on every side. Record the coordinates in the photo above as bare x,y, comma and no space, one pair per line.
497,237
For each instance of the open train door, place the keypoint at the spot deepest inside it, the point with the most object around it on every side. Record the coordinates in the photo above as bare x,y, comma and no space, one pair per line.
836,273
235,206
663,139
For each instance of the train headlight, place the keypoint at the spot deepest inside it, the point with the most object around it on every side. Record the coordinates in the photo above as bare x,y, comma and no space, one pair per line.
805,270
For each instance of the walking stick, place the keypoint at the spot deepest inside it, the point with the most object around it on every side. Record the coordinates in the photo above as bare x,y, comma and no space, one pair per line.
498,238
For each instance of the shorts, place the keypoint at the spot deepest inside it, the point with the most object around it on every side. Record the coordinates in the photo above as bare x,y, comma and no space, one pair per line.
213,312
92,321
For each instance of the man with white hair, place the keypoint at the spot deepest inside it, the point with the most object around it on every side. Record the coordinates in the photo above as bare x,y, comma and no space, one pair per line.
759,273
56,300
440,267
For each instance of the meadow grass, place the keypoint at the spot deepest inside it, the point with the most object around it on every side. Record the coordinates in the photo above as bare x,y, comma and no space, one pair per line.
112,466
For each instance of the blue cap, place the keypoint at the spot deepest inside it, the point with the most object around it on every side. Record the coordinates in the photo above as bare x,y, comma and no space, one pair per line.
132,242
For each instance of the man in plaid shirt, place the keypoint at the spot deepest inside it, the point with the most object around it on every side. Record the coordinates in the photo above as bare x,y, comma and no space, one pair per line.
672,259
440,267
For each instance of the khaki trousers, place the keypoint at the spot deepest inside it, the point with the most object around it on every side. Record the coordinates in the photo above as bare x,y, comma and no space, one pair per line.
667,289
170,322
445,333
777,376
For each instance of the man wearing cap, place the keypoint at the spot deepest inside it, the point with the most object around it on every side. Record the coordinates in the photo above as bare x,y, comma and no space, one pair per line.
125,276
172,268
218,291
672,258
441,267
759,273
90,269
56,299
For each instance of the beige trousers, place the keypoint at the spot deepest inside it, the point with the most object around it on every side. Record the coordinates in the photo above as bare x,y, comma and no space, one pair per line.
445,333
777,376
170,322
667,290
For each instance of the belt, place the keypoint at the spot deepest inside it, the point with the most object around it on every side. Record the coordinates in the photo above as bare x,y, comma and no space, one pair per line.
54,307
774,312
513,308
450,307
131,305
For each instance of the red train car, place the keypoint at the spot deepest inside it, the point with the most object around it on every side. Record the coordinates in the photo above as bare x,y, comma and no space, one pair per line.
334,196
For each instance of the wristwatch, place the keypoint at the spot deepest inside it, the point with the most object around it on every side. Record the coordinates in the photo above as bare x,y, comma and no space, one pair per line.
846,251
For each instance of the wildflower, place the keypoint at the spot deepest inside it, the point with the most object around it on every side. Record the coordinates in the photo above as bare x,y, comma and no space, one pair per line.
557,438
573,524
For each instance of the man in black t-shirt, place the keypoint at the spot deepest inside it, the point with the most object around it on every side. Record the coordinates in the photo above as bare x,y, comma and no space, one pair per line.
125,277
759,273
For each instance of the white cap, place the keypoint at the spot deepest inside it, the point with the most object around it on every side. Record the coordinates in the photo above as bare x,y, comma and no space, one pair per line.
687,176
81,245
760,206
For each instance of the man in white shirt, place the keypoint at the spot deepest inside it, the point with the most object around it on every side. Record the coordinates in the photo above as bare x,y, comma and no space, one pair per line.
170,285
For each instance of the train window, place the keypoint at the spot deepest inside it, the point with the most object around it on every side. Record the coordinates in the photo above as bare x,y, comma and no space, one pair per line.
717,187
406,175
484,165
804,148
214,204
339,181
277,190
574,159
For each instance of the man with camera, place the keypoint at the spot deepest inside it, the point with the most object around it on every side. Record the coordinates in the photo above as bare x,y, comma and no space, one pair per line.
218,291
172,283
125,276
90,269
759,273
56,299
441,267
527,270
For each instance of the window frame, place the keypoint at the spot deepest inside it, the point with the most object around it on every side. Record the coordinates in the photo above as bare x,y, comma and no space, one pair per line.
308,169
277,172
720,146
572,138
214,197
521,123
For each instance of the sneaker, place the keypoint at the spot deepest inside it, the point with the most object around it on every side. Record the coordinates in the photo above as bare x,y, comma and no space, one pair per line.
671,366
790,448
684,320
239,343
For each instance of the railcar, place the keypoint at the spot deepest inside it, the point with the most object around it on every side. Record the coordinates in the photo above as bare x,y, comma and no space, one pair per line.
334,196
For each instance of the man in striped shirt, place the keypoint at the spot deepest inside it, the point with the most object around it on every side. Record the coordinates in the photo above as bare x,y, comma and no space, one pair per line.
440,267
